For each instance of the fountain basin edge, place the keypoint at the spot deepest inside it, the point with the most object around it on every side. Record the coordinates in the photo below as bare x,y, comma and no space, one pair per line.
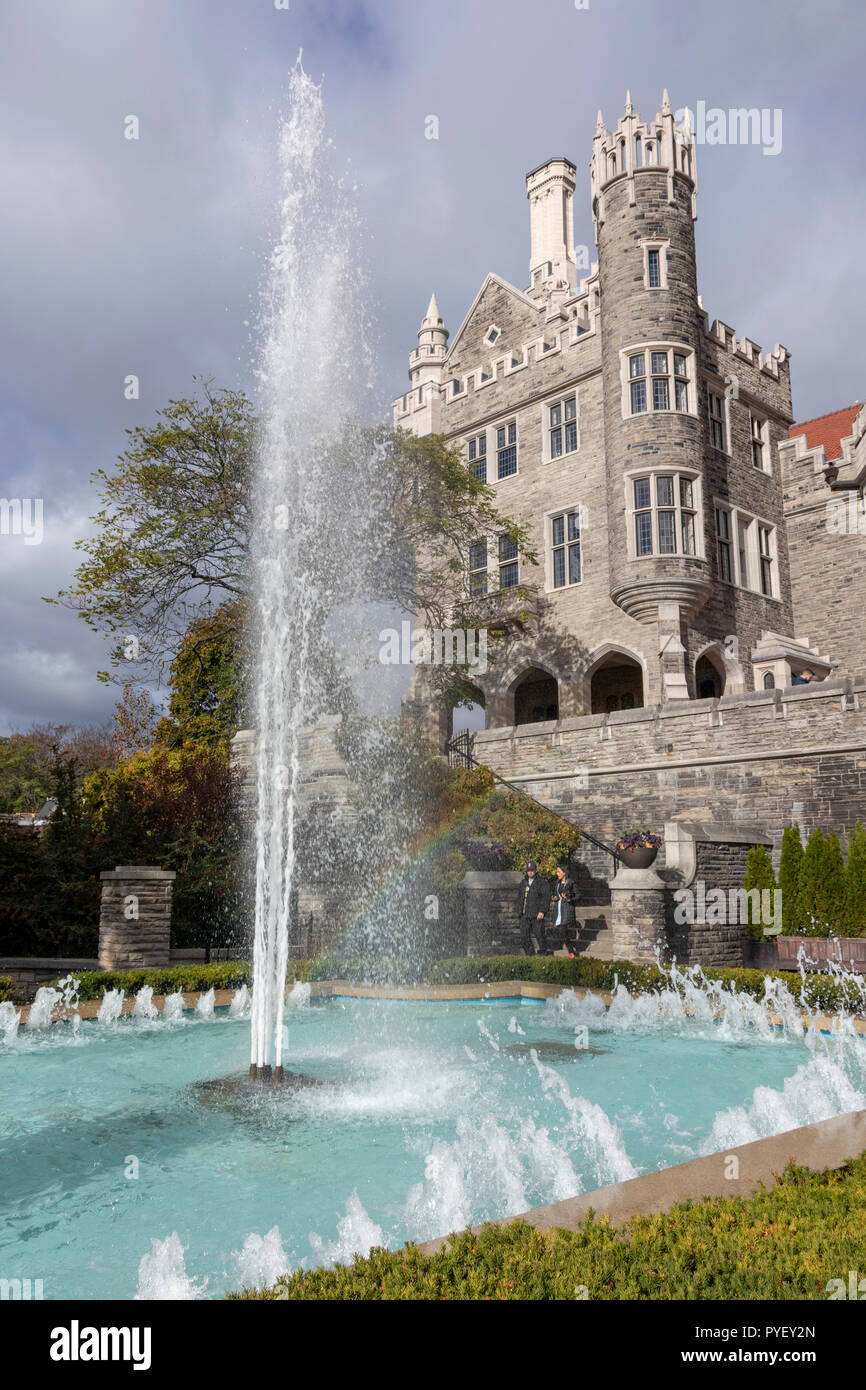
825,1144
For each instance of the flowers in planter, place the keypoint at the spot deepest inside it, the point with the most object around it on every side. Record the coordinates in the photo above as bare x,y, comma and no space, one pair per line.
638,838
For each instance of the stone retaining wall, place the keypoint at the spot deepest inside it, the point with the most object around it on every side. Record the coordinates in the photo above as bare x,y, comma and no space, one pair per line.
770,757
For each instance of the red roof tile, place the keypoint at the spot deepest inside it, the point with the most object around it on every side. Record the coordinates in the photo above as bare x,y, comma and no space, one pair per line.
828,430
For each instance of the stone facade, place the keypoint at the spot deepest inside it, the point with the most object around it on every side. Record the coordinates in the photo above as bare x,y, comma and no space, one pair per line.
135,918
825,514
766,758
613,399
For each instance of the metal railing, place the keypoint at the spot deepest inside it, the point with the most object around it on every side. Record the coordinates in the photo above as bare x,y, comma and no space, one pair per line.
461,753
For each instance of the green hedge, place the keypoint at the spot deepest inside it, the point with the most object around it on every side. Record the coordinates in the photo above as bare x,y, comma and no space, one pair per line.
819,992
785,1242
185,979
6,983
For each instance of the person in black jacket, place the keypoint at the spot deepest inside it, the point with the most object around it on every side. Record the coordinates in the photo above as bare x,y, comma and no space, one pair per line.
565,897
532,900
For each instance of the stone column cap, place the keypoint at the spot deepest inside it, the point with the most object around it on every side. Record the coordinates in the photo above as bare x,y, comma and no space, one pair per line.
125,871
633,880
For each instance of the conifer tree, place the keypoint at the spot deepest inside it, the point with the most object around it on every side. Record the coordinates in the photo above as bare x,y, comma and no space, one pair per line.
790,874
813,869
822,885
759,875
833,897
855,884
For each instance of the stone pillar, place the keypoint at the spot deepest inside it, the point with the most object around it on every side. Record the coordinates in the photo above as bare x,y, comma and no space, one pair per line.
135,917
637,905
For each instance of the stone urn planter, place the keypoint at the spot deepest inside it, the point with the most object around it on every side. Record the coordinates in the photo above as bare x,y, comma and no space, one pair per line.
637,858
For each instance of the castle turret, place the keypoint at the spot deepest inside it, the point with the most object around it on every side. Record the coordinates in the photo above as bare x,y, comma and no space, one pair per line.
643,179
420,409
550,190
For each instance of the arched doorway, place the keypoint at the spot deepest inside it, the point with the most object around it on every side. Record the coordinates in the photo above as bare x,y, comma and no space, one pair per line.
709,678
617,683
536,697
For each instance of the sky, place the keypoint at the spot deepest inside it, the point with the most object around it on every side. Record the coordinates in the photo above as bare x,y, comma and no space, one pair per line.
146,256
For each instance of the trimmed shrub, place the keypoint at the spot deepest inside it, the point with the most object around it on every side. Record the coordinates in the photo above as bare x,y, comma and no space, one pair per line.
784,1242
822,885
6,983
759,876
855,884
790,872
185,979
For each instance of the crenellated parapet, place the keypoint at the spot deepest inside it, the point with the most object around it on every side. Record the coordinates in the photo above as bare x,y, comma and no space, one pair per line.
636,149
744,349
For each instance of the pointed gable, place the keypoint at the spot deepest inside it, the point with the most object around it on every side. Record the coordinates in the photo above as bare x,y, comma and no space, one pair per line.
497,305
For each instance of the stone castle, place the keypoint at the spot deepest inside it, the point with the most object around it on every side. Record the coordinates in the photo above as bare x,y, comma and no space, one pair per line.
698,552
698,549
679,515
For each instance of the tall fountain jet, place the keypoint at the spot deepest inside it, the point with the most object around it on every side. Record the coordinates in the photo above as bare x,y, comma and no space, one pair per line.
314,516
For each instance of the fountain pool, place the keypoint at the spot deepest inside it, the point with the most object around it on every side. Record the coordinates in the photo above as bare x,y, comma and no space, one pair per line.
125,1175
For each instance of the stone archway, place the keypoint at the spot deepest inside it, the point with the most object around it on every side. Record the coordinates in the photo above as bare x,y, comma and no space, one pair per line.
710,676
536,696
616,681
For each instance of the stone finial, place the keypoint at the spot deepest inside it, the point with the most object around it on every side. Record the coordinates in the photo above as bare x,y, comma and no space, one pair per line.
628,110
666,103
599,123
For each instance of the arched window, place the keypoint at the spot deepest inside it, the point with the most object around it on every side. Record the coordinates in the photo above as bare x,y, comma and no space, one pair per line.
638,152
616,683
769,681
709,677
536,697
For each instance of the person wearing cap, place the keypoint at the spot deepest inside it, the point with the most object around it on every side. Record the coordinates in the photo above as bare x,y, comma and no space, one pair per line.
532,900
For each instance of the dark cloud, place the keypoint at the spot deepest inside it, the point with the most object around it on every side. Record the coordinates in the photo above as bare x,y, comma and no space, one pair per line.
145,256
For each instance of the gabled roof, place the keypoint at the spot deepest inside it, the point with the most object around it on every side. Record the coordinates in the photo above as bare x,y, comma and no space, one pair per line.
828,430
490,279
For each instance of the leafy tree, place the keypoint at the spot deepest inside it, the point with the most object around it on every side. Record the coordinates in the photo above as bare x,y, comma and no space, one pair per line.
171,538
759,875
27,761
790,871
135,720
171,544
855,883
175,807
207,681
49,885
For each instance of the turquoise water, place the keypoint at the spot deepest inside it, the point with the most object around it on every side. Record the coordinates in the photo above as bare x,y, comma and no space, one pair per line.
427,1118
